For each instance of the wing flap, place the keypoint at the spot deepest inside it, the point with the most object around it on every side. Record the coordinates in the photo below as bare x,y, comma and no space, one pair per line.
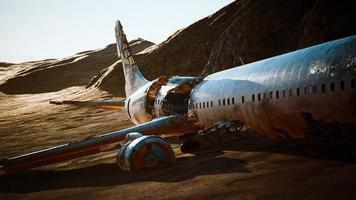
171,125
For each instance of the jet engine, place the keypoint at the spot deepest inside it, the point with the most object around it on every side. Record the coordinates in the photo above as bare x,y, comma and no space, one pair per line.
140,152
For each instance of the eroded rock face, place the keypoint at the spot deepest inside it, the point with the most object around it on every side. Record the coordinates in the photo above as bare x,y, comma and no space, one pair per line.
111,79
261,29
242,32
53,75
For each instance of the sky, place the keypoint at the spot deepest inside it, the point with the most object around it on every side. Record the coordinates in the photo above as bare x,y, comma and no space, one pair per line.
42,29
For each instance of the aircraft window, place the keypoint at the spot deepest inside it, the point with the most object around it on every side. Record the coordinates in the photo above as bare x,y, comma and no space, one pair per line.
353,83
253,98
223,102
270,95
200,105
259,97
203,104
196,105
228,101
284,93
297,91
233,100
219,102
305,90
314,89
342,85
207,104
290,92
211,103
243,99
277,94
323,88
332,87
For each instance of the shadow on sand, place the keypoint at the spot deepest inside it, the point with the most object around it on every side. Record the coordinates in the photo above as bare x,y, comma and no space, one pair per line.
110,174
341,149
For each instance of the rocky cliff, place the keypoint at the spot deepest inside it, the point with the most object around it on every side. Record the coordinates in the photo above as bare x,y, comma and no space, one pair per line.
53,75
242,32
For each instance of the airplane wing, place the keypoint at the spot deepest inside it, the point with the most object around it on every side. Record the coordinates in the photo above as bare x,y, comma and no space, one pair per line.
106,104
170,125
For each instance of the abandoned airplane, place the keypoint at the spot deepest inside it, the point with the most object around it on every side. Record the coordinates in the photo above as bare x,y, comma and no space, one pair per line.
282,96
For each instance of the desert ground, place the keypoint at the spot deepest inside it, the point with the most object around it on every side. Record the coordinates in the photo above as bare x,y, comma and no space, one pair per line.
237,168
252,167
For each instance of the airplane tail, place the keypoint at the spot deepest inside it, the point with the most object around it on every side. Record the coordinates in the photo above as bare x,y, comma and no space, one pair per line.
133,77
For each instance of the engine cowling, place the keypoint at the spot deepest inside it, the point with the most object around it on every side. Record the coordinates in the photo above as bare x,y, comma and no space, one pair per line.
141,152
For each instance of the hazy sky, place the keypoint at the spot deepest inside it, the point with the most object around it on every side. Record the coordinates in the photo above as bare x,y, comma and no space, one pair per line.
41,29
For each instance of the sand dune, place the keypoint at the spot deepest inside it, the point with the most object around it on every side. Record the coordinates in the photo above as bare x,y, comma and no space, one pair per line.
54,75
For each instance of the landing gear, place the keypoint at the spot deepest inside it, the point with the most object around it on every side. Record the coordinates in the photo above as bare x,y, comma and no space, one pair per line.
189,144
190,147
222,132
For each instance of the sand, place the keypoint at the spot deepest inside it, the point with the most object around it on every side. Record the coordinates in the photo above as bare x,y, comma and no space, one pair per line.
250,168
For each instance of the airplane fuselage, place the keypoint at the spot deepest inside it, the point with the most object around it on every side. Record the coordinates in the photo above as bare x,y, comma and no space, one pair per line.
274,96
